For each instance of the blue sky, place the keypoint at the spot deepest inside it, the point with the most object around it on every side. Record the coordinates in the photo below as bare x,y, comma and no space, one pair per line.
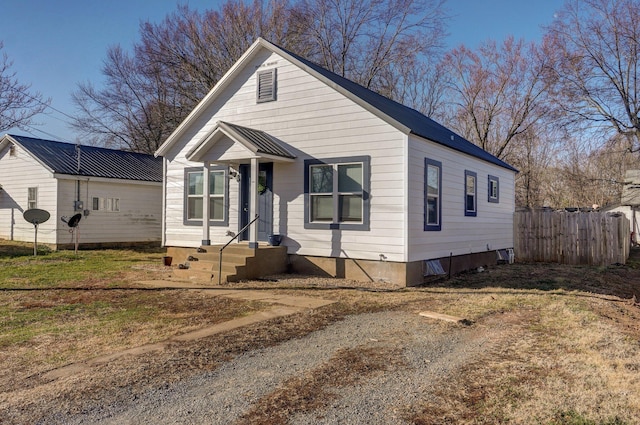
55,44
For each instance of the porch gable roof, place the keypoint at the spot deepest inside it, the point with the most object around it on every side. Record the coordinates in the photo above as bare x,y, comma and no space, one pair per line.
257,142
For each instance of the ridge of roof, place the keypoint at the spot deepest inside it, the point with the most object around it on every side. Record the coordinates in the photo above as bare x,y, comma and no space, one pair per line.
415,121
62,158
402,117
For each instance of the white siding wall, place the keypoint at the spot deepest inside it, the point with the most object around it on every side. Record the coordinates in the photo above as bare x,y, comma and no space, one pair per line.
493,225
17,173
139,218
315,121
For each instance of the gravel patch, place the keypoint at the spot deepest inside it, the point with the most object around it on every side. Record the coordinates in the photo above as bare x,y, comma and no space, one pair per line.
430,351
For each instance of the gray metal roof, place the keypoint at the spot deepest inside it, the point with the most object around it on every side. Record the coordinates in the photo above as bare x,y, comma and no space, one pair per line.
264,142
419,124
62,158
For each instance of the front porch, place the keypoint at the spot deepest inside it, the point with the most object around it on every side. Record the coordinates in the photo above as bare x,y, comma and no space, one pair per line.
239,262
248,156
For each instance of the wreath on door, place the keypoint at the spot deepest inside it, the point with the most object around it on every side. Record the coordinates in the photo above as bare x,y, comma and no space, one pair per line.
262,184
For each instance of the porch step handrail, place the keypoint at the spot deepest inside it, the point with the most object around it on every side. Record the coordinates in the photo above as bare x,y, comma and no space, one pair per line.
228,243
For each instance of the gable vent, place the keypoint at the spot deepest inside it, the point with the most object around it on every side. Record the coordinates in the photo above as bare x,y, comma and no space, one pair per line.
266,90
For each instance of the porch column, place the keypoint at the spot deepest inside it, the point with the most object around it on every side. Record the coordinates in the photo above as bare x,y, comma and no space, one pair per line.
253,205
206,173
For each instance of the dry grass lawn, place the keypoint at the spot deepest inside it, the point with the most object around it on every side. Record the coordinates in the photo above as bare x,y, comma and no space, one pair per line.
568,351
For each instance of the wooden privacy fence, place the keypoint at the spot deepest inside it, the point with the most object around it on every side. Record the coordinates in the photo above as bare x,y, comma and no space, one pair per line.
594,238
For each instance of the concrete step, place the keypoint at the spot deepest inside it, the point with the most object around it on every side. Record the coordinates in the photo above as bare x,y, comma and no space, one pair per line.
227,263
201,265
192,275
238,262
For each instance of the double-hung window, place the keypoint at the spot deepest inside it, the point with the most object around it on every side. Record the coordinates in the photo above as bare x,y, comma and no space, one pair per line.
32,198
194,196
433,195
494,189
470,193
337,193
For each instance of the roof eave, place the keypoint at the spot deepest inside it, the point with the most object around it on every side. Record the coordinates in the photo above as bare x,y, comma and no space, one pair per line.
6,139
498,162
64,176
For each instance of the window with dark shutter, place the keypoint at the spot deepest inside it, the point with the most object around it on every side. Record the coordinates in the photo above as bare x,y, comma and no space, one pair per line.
266,90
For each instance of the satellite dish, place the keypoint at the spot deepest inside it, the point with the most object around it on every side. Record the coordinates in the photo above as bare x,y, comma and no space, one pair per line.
36,216
73,224
73,221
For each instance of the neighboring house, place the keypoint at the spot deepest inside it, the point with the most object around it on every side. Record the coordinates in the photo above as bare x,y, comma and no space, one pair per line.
359,186
629,204
118,193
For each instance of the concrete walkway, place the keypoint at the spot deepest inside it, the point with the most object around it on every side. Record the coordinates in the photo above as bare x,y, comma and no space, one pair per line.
284,305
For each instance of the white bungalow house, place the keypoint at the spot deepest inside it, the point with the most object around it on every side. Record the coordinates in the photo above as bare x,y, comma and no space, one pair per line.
118,194
357,185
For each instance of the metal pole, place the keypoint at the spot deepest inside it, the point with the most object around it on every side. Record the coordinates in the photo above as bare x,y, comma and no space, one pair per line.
35,242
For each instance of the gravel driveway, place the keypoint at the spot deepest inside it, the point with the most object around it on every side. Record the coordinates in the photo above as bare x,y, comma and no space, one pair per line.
425,353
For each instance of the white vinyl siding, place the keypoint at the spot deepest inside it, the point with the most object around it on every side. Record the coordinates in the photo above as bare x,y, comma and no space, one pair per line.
19,172
134,215
492,228
316,122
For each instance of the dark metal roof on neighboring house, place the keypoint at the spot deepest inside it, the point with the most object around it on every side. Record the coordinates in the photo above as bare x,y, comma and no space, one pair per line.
419,124
62,158
264,142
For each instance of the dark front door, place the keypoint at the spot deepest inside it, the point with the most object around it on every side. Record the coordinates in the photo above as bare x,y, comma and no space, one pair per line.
265,200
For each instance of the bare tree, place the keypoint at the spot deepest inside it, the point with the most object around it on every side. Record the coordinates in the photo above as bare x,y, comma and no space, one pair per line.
17,104
586,175
497,93
134,110
193,50
535,154
595,56
378,44
149,91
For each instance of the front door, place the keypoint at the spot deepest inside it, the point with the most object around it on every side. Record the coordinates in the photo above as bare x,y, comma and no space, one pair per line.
265,200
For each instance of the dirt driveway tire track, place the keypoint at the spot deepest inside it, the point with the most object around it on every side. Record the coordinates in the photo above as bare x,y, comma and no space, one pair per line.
428,353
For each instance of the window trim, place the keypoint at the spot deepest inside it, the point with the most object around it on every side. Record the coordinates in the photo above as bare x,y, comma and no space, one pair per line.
365,160
185,195
490,197
109,205
32,200
274,86
474,211
427,226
